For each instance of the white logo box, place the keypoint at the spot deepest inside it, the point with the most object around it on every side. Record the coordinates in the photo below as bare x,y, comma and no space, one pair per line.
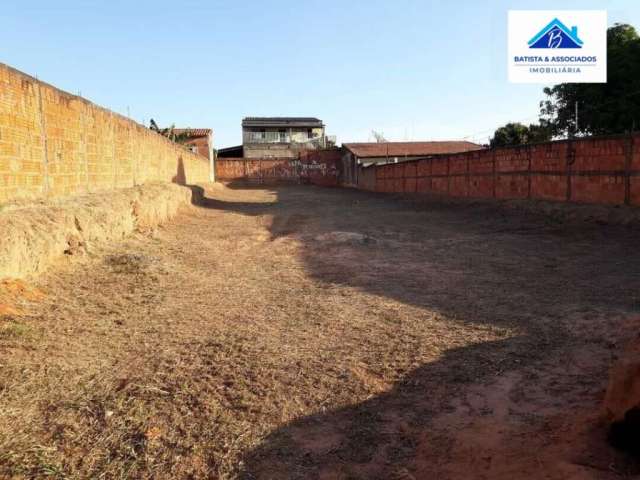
550,32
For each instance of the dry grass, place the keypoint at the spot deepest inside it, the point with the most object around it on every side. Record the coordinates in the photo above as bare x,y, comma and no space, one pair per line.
306,333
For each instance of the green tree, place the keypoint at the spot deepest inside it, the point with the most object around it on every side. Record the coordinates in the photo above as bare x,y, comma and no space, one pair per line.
603,108
519,134
539,133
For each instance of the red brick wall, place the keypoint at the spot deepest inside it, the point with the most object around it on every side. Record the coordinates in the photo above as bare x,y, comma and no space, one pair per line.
54,144
318,167
201,144
600,170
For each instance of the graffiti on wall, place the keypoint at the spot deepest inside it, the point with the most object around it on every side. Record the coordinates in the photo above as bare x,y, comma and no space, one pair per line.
317,167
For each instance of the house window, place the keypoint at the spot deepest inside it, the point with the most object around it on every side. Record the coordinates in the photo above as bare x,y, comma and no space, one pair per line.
309,133
283,136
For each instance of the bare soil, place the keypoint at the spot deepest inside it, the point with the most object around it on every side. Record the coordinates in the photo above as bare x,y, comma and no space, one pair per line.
307,333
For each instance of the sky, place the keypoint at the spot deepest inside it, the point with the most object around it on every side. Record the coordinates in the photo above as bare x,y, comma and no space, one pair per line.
413,70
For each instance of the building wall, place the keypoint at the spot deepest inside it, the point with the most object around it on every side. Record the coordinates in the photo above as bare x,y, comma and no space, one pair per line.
297,134
599,170
348,169
201,144
367,178
298,141
318,167
351,166
301,135
273,150
55,144
390,159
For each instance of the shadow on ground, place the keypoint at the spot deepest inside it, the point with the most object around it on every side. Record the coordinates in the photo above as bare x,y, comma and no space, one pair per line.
560,289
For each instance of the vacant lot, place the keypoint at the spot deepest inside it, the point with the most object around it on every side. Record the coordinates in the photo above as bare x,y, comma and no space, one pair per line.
321,334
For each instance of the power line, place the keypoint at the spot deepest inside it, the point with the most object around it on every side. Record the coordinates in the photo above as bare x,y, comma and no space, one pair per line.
584,109
492,130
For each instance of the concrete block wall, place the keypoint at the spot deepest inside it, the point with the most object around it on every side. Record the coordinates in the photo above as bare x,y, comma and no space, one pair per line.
597,170
54,144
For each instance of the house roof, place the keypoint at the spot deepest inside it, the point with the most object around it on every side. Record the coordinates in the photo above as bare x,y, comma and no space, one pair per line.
193,132
571,33
409,149
281,122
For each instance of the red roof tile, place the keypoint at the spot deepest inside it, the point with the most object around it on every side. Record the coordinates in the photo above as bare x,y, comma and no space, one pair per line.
409,149
193,132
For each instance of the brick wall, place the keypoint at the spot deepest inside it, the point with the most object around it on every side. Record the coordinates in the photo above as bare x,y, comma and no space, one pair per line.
201,144
600,170
312,166
55,144
320,167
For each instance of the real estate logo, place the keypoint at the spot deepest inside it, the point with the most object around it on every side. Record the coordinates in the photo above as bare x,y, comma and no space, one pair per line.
557,53
556,35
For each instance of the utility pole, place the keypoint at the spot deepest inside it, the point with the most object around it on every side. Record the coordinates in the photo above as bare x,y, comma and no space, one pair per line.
212,158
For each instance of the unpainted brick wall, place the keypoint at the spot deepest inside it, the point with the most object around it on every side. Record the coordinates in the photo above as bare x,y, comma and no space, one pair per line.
55,144
318,167
599,170
257,170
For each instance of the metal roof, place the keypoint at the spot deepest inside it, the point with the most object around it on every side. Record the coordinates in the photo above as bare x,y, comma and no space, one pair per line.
281,122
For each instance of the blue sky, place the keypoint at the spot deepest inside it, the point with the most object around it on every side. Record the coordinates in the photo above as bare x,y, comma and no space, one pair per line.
415,70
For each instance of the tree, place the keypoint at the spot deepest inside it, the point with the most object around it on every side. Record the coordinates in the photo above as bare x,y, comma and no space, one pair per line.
170,132
379,136
539,133
603,108
519,134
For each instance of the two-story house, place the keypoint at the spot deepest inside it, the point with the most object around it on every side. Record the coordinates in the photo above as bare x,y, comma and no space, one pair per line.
281,137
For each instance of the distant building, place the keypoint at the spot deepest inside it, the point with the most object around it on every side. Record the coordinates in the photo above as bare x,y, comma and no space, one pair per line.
230,152
282,137
356,155
199,140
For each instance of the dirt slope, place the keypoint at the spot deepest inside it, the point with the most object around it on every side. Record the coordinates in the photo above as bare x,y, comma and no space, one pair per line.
37,235
322,334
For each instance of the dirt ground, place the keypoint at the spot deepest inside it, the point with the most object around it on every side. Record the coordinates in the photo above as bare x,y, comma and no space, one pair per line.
308,333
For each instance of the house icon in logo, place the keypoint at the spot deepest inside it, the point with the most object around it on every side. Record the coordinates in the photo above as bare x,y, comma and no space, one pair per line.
556,35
